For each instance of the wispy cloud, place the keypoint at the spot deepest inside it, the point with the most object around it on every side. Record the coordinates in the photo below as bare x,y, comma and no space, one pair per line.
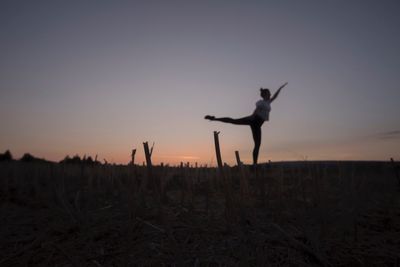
389,135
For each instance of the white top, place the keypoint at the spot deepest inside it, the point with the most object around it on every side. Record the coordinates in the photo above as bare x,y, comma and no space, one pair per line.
263,107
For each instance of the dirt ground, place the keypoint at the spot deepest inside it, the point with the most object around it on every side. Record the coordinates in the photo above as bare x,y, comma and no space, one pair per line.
287,214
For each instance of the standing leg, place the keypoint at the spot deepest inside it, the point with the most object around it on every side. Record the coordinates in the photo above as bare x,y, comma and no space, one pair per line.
256,131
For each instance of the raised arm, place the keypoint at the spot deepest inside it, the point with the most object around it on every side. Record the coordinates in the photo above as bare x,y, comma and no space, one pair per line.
277,92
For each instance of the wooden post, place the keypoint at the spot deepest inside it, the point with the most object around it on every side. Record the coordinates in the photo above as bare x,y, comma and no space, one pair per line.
152,180
239,163
243,182
229,207
133,156
148,158
218,151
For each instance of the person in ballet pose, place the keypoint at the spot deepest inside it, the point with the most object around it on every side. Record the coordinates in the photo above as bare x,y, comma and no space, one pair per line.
255,120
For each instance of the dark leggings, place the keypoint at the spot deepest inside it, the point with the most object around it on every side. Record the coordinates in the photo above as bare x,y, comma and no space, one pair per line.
255,124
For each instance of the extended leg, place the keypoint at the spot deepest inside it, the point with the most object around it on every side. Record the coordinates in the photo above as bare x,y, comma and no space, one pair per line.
242,121
256,131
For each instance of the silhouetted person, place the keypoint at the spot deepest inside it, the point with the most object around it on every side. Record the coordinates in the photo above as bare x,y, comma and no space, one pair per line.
255,120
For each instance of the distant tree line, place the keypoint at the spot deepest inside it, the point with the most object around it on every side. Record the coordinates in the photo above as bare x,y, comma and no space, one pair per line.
78,160
7,156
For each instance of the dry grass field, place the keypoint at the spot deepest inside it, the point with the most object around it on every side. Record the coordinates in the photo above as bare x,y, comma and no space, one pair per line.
283,214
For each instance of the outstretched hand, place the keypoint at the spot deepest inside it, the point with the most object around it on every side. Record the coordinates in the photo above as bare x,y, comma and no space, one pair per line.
278,91
283,86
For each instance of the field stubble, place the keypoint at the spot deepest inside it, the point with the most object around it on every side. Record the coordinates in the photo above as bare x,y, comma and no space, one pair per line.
293,214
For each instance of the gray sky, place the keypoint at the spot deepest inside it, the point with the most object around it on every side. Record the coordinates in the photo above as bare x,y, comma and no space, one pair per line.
101,77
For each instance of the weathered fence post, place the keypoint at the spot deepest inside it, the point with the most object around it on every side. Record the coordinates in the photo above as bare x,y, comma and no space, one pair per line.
133,157
244,188
147,154
226,184
153,181
218,151
148,162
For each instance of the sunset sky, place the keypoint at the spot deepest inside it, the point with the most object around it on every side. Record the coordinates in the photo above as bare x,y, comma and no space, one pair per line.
101,77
